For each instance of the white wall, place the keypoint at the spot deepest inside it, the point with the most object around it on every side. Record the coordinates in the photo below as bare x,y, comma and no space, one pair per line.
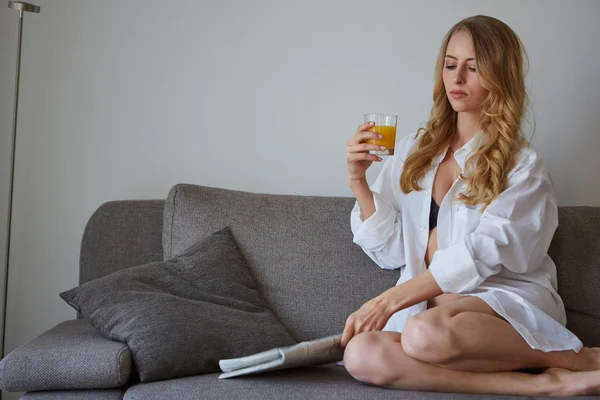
123,99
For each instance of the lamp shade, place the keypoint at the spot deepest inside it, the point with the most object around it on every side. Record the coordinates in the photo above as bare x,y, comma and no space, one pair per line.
23,6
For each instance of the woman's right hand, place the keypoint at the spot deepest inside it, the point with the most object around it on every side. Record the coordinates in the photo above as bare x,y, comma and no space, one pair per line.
357,151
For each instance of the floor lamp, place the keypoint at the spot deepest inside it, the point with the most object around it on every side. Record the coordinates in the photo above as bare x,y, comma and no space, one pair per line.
22,7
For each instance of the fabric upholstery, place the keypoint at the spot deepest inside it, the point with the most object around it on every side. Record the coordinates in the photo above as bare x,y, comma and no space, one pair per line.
121,234
303,227
299,247
315,383
180,317
301,251
575,249
586,327
72,355
106,394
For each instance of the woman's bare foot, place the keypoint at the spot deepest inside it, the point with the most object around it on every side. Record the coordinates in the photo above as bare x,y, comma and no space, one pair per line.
588,359
564,382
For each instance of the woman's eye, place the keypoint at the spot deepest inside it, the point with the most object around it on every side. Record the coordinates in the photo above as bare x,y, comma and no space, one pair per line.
450,66
471,69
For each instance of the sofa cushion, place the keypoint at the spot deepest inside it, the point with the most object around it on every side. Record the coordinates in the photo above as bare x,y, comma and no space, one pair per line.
301,251
179,317
315,383
576,251
72,355
99,394
586,327
299,248
121,234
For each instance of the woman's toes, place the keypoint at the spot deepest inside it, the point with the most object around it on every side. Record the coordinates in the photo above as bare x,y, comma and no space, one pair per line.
564,382
588,359
595,351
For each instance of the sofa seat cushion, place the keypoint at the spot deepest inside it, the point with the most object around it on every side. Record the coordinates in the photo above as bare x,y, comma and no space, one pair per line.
99,394
316,383
181,316
72,355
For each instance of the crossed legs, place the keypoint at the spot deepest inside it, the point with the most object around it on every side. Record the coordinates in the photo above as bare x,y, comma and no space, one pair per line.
464,346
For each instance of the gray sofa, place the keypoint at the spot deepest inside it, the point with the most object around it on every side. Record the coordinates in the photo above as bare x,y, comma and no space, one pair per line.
301,252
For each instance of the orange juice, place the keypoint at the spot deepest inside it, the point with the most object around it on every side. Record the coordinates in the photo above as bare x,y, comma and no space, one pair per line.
389,137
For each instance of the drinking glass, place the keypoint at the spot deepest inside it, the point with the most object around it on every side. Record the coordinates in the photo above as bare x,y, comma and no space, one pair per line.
385,125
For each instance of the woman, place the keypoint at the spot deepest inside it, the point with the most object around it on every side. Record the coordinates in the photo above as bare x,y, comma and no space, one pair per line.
466,209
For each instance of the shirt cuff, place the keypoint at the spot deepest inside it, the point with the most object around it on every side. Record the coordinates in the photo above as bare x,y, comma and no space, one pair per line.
373,233
455,270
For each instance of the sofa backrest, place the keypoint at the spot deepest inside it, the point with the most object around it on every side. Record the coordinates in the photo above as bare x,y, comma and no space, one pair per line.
121,234
300,250
575,250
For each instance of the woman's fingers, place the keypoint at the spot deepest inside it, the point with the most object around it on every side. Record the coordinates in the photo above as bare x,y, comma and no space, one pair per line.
364,127
348,331
363,130
372,316
365,147
357,151
360,137
356,157
356,324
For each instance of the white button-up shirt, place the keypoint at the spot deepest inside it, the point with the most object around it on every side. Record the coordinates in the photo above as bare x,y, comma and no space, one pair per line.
499,255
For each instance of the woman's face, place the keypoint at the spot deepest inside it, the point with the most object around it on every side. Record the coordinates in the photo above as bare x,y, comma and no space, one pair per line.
461,81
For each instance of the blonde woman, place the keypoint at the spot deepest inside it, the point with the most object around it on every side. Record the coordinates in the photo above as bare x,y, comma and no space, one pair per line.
466,209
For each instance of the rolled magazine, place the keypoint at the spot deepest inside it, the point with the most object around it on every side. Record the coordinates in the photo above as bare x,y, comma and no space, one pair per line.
315,352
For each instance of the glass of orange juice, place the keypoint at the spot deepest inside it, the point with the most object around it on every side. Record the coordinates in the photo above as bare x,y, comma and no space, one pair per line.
385,125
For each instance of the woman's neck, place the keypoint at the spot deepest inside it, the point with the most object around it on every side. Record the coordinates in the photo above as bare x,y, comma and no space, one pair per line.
467,126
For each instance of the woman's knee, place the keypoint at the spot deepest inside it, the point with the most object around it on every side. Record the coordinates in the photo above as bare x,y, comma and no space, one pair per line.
430,338
367,359
359,354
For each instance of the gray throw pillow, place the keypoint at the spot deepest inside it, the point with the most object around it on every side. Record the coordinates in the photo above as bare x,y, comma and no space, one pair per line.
181,316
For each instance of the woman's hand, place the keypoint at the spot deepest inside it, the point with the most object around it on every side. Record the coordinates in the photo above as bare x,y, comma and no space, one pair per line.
357,151
372,316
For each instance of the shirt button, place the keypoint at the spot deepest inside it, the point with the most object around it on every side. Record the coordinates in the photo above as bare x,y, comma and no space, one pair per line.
422,227
417,259
426,193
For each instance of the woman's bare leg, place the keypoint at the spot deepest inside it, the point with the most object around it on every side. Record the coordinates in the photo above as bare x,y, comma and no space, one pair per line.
378,358
468,335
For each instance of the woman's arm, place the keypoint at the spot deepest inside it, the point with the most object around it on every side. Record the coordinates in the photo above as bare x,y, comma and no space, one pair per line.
422,287
375,313
364,197
375,221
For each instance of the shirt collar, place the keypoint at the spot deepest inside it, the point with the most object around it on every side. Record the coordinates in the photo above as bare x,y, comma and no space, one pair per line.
461,155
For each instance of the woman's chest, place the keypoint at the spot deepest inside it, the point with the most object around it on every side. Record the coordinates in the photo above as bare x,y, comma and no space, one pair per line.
444,178
455,220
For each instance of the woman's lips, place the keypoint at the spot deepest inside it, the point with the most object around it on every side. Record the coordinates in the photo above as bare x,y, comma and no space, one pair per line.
458,94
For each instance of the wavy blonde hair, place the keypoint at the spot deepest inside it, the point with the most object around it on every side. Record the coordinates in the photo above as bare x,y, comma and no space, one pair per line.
499,55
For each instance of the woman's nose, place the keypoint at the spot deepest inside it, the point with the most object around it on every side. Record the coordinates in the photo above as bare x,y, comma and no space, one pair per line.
459,76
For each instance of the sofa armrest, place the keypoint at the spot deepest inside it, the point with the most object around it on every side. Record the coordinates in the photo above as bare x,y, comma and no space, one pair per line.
72,355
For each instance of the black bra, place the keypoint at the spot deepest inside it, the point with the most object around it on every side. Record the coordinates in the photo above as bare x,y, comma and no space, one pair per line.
433,214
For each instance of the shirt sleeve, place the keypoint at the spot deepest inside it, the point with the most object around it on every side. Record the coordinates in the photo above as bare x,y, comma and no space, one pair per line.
514,232
380,235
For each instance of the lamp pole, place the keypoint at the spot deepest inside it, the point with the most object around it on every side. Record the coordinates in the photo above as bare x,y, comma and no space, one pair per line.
22,7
